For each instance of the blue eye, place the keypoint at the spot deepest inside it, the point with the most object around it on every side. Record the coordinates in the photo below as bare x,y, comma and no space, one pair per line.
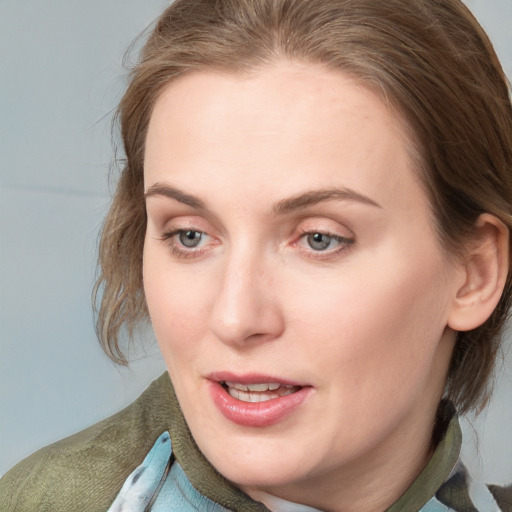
190,238
320,241
188,243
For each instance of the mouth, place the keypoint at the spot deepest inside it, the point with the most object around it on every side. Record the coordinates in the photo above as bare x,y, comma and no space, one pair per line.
256,400
259,392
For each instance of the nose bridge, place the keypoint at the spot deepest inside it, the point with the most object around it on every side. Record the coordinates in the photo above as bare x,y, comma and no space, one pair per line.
245,307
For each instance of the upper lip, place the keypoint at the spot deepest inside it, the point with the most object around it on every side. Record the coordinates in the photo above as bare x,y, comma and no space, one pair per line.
251,378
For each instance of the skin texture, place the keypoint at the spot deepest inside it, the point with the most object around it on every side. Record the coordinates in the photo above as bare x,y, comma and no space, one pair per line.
365,323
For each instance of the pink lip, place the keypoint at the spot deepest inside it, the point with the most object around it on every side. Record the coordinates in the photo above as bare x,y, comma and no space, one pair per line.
250,378
260,414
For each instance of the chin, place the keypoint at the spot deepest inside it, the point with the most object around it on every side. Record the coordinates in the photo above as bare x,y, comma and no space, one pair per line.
256,475
259,462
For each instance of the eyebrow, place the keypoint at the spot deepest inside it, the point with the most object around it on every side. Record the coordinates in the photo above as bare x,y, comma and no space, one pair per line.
319,196
285,206
159,189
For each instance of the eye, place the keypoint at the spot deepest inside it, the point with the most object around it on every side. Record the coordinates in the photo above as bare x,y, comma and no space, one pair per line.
187,243
190,238
320,241
323,245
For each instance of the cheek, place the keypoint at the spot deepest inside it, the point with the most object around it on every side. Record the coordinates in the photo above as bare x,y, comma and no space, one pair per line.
175,305
377,323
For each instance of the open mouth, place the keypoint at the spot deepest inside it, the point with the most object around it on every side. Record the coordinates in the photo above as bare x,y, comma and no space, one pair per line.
260,392
256,400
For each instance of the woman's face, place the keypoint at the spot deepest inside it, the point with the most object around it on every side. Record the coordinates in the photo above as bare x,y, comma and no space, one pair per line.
295,283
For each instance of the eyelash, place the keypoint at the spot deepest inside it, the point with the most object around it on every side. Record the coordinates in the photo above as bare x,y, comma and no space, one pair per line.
168,239
181,251
345,244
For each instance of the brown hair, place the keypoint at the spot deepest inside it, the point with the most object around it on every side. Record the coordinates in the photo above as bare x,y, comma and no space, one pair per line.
429,58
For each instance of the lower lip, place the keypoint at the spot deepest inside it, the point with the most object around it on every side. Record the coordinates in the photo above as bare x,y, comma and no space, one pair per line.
257,414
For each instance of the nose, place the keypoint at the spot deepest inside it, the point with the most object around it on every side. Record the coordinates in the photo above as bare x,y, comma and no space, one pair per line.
246,309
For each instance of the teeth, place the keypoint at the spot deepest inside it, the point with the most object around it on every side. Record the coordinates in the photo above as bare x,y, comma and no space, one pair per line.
251,397
259,392
272,386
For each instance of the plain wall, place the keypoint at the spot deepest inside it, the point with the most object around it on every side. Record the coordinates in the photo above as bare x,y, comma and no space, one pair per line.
60,79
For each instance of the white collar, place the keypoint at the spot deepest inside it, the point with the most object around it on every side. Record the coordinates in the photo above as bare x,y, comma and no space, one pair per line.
275,504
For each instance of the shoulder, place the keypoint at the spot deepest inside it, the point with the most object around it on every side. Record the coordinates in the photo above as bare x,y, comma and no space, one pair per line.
463,492
502,495
86,470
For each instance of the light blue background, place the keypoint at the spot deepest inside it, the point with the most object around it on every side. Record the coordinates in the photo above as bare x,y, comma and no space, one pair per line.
60,78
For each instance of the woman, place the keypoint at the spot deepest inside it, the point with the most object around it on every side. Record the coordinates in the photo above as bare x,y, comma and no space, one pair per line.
315,215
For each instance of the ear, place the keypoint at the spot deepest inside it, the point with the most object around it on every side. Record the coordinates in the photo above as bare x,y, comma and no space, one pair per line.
485,268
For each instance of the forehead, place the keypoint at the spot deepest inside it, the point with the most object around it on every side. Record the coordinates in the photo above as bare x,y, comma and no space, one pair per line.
293,123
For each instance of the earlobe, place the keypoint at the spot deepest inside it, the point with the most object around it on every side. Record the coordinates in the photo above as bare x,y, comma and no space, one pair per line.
485,269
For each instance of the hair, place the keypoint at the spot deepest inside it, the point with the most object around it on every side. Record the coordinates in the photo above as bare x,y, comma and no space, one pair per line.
429,58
